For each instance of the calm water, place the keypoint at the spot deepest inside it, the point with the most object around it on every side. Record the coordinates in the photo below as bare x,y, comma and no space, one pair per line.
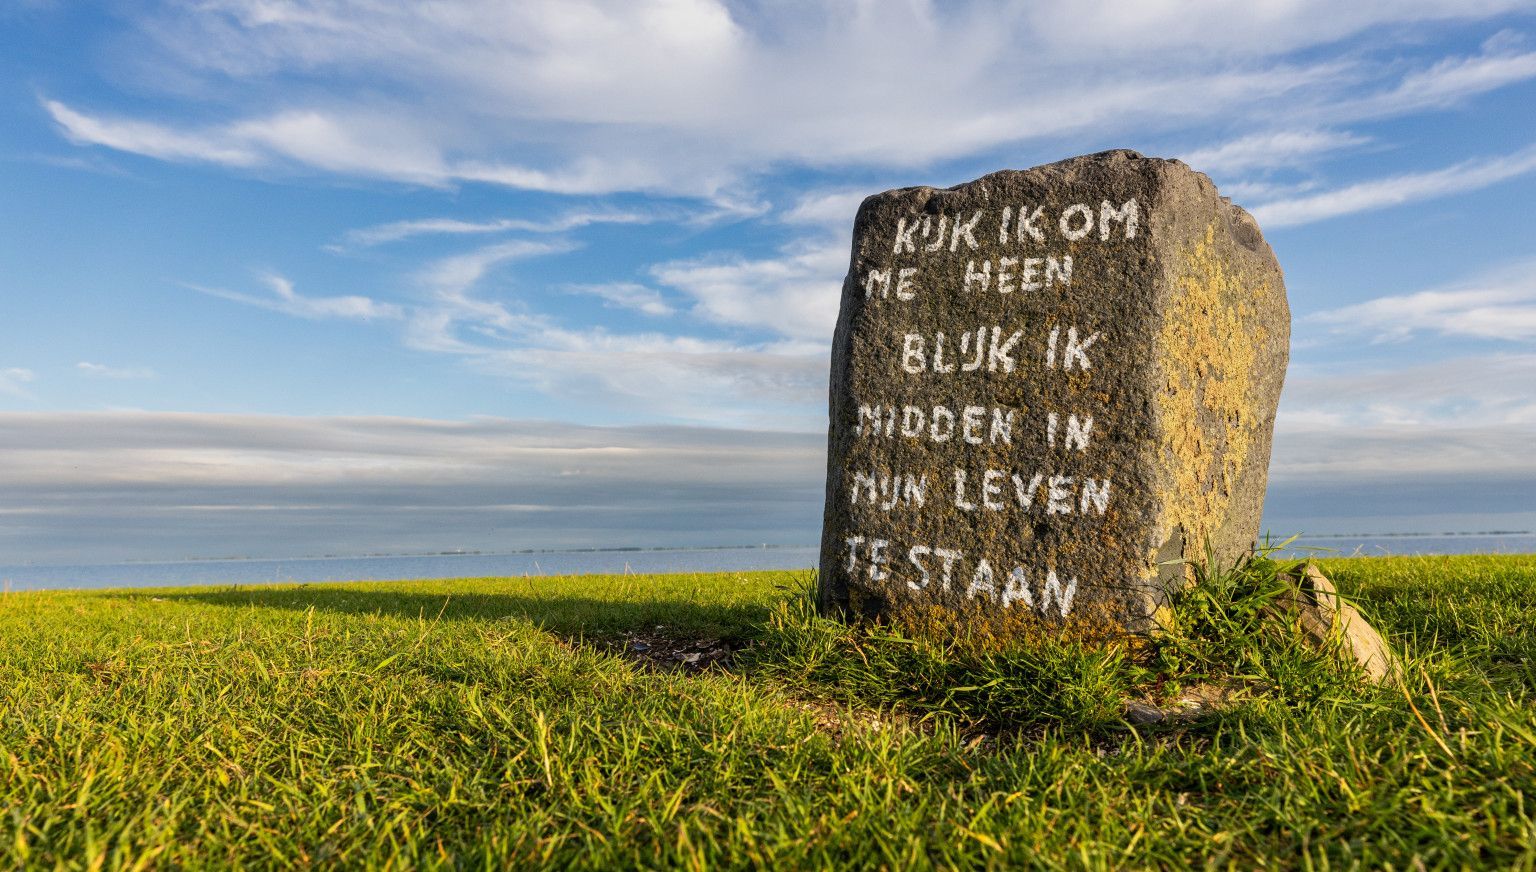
1379,546
37,577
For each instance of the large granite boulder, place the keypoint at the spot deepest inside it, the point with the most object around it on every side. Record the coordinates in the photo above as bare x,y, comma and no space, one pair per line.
1049,389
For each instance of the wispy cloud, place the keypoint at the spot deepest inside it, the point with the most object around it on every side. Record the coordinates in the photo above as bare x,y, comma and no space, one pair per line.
101,370
345,141
695,96
1498,304
832,210
682,159
12,380
283,298
87,162
677,377
794,294
1148,29
149,139
1267,190
1454,79
454,310
1397,190
627,295
770,383
392,146
1278,148
395,231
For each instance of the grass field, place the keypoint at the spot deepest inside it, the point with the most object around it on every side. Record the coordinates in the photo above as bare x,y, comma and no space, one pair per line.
493,722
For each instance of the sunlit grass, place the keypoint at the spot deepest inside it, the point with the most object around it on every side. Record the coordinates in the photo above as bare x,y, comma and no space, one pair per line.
491,722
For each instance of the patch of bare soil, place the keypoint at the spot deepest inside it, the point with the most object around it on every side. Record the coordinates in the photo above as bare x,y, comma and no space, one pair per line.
664,651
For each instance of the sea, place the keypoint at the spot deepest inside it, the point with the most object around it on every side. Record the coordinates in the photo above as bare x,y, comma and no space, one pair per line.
235,571
238,571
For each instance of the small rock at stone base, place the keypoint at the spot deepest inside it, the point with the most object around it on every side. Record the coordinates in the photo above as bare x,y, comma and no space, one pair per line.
1324,616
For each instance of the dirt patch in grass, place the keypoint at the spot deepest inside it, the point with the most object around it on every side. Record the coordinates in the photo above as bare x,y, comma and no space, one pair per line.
665,650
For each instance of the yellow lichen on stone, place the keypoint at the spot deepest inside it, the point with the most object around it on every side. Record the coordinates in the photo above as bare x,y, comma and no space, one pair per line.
1208,346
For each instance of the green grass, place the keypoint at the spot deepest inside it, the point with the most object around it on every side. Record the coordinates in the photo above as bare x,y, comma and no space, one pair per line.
494,722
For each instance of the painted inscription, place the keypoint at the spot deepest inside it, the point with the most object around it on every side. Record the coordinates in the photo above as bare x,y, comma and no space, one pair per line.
986,351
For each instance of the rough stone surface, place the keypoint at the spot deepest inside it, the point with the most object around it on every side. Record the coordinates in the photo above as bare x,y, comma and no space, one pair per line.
983,326
1326,618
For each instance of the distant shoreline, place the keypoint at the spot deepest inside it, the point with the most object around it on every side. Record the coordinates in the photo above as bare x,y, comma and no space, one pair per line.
636,549
423,554
1416,535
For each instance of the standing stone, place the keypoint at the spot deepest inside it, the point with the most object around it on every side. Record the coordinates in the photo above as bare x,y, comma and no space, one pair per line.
1048,389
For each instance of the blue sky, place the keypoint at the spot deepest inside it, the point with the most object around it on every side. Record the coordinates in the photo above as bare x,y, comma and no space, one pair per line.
313,277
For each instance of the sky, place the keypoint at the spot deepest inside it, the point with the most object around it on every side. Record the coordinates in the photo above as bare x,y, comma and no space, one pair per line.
293,278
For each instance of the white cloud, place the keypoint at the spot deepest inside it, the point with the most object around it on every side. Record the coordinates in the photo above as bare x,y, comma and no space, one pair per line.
466,310
12,379
1397,190
391,145
286,300
436,326
353,142
101,370
1279,148
146,138
795,295
833,210
713,382
455,274
704,98
590,175
396,231
83,161
1499,304
695,96
1250,190
1216,27
759,384
1454,79
627,295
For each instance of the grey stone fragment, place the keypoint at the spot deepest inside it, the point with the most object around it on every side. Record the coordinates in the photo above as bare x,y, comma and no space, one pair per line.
1326,619
982,328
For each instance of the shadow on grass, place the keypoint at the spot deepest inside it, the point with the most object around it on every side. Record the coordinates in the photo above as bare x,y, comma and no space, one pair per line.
559,613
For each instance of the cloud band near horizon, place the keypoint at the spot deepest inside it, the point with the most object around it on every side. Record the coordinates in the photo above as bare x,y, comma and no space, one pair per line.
139,485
